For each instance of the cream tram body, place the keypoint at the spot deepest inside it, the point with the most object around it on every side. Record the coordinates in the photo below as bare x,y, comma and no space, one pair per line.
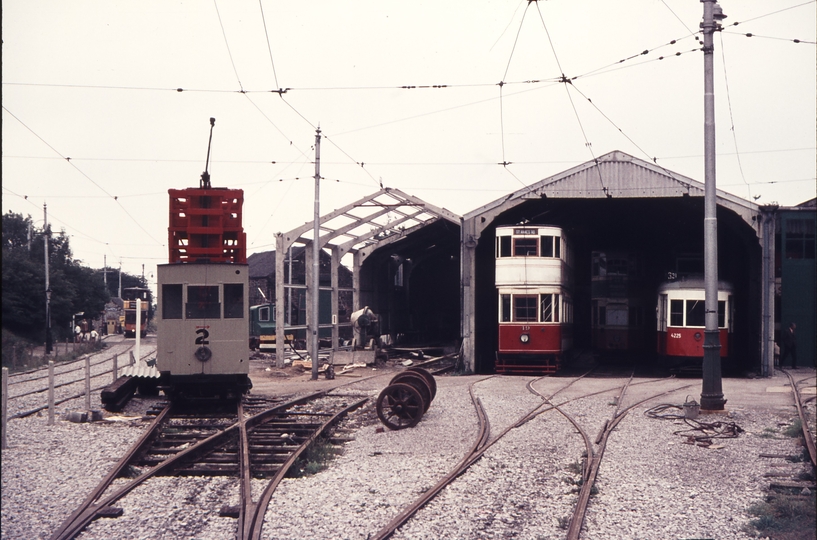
533,282
202,324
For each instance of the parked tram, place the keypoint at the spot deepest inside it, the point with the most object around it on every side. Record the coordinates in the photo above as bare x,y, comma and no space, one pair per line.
533,282
618,303
129,297
682,320
202,348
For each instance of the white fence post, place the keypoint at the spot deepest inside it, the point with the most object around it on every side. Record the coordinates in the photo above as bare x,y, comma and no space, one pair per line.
50,392
87,383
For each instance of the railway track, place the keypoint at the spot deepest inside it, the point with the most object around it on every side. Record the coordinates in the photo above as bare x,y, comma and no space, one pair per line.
255,438
484,441
26,394
808,436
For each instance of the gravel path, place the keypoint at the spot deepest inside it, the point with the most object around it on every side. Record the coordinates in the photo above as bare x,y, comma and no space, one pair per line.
650,485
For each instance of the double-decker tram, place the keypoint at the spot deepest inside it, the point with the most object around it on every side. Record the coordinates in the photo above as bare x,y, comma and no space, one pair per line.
618,304
129,297
533,282
681,318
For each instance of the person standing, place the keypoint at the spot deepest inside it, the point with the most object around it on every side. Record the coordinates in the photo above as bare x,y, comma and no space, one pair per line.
789,346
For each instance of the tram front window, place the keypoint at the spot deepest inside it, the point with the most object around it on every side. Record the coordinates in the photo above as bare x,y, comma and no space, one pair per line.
696,314
524,308
524,247
202,302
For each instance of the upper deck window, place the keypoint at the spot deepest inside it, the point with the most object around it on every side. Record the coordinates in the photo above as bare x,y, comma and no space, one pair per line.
525,247
503,246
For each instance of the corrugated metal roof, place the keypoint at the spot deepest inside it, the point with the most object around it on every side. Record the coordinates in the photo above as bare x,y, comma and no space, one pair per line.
140,370
617,175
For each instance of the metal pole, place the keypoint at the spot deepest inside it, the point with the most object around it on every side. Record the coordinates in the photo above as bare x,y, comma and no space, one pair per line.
5,404
115,367
712,389
138,336
316,261
50,392
47,284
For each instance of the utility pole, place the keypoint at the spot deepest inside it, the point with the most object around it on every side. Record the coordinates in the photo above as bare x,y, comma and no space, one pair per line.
105,271
119,291
316,261
47,284
712,387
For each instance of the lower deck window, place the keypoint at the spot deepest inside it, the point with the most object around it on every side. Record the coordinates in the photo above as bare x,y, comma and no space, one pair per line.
233,300
171,301
692,313
550,308
524,308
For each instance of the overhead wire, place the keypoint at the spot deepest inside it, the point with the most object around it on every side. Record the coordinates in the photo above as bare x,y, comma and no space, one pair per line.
567,82
269,46
227,44
732,119
68,160
57,218
501,85
242,90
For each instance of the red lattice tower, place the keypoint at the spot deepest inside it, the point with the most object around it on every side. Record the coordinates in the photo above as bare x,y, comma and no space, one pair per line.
206,226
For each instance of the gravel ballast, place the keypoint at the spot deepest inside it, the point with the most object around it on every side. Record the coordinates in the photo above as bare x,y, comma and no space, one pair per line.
650,484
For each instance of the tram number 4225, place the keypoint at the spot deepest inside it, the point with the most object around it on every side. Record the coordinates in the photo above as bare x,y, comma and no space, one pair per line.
675,335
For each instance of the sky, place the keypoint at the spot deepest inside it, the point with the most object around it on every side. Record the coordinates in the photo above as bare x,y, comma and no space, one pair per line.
106,105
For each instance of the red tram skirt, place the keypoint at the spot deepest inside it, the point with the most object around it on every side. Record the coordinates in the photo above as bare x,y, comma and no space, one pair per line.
540,354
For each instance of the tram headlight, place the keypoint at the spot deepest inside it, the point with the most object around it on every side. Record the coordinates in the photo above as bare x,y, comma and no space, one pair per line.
697,336
524,338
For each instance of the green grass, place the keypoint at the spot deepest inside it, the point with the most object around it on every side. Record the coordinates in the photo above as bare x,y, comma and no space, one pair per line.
316,459
784,517
795,429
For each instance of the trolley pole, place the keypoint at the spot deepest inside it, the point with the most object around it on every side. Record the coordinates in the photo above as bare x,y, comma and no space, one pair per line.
316,260
712,387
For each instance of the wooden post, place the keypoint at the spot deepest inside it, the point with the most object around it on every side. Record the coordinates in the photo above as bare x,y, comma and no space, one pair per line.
13,365
50,392
115,367
5,404
88,383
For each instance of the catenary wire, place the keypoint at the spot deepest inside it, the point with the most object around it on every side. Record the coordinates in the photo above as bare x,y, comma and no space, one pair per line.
732,119
68,160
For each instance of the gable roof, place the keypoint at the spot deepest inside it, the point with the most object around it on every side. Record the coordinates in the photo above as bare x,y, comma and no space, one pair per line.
617,175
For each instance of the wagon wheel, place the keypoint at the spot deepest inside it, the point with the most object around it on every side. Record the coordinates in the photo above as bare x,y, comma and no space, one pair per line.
418,382
400,406
432,384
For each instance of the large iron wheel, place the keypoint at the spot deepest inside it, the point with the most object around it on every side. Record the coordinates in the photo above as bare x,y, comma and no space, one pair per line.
400,406
418,382
432,384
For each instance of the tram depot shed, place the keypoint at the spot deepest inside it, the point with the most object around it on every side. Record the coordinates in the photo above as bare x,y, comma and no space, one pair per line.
408,256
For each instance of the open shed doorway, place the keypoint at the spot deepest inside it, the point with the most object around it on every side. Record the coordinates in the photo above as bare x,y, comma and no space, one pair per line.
665,234
413,285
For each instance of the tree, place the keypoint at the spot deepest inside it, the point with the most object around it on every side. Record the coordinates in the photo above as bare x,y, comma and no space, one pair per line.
75,288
